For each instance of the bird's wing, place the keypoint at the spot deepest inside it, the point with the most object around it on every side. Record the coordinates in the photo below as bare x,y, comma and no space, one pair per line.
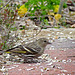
18,49
28,50
32,48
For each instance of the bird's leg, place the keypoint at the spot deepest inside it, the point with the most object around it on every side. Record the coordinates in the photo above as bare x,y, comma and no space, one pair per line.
31,60
28,60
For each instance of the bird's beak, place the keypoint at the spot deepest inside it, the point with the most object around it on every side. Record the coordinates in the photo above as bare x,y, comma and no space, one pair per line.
49,42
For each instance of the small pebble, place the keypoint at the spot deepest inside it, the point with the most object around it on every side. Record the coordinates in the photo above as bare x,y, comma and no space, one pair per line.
50,64
55,57
42,70
30,69
64,61
70,33
69,60
64,71
19,69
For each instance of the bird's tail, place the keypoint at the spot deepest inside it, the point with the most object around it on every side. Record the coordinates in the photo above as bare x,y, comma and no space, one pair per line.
9,50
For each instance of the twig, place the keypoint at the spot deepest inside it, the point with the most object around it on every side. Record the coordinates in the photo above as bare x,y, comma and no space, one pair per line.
73,2
5,4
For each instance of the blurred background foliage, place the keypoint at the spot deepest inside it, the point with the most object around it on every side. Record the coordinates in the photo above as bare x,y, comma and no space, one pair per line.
34,10
42,6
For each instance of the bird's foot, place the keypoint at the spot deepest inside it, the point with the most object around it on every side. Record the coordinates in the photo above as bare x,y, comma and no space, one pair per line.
34,60
31,61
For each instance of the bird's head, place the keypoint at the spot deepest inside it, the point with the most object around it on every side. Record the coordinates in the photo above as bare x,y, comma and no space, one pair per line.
43,42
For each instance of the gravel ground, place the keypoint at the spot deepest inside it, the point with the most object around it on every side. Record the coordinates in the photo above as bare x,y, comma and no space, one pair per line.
59,63
59,57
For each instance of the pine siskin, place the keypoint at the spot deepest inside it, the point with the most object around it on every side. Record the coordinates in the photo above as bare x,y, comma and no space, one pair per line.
30,50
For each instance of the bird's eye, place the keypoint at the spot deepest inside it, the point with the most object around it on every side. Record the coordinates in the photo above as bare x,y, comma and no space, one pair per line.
45,41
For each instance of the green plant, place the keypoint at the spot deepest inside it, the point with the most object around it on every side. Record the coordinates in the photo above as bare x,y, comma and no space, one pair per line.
65,5
0,0
7,18
46,22
41,6
0,3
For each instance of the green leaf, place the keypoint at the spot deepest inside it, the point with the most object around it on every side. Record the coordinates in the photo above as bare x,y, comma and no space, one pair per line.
1,1
43,12
14,28
65,5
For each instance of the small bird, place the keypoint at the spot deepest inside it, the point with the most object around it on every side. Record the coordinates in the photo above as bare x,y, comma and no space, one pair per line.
31,50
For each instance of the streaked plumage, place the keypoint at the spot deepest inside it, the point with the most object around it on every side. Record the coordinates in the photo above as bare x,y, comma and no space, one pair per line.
30,50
